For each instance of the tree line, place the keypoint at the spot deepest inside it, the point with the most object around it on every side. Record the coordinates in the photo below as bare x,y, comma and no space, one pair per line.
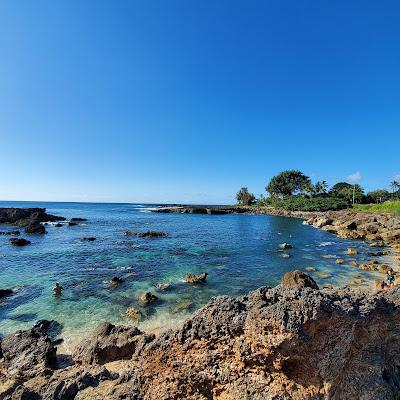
292,189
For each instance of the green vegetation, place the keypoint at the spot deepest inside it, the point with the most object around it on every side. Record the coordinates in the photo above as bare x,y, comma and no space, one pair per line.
244,197
391,207
294,191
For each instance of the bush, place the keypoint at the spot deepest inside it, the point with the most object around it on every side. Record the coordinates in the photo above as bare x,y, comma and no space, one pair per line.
300,203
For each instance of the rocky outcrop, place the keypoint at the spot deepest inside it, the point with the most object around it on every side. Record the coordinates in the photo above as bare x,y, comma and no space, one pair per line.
194,279
148,234
19,242
298,279
35,229
286,342
26,216
26,352
5,293
109,343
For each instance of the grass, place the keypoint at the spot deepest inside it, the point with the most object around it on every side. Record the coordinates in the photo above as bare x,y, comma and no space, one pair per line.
389,207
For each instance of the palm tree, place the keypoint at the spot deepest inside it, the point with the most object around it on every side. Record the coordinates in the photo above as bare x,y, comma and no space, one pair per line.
394,185
321,187
310,189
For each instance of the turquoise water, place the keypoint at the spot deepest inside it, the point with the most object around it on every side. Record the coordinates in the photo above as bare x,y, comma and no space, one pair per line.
240,253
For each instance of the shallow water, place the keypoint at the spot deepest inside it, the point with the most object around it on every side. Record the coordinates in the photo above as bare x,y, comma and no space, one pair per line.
240,253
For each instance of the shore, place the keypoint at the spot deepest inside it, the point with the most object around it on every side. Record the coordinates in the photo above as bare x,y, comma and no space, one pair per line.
292,341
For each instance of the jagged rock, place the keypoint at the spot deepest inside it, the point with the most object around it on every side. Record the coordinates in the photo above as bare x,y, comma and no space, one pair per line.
19,241
110,343
147,298
116,280
286,246
26,216
298,279
274,343
196,279
35,229
5,293
10,233
352,251
24,351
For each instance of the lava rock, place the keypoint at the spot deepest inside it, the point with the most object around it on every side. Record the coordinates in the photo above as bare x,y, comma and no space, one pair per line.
19,241
35,229
5,293
298,279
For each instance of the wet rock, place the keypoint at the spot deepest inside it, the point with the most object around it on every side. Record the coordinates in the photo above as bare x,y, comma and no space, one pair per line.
35,229
26,216
110,343
352,251
19,241
10,233
339,261
25,351
298,279
147,298
5,293
76,219
88,239
286,246
196,279
133,313
367,267
116,280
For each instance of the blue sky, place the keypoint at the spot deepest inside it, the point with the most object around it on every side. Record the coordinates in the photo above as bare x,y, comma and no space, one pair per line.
187,101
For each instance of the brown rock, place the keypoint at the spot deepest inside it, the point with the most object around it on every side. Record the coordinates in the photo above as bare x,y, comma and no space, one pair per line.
298,279
196,279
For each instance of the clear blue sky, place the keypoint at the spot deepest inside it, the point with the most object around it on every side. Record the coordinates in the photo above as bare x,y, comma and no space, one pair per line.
187,101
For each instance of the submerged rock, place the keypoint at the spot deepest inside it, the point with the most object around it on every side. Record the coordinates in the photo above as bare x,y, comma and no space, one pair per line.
148,234
116,280
71,223
88,239
109,343
5,293
133,313
196,279
10,233
35,229
77,219
286,246
147,298
298,279
352,251
19,241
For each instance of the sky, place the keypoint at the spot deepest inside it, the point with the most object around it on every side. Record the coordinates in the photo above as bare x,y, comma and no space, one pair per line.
187,101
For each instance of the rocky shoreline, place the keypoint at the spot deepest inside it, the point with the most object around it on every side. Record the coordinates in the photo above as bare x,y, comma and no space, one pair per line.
292,341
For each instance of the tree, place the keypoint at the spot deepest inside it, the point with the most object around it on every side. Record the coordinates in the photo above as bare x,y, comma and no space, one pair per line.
287,183
347,193
394,185
309,189
321,187
338,187
244,197
378,196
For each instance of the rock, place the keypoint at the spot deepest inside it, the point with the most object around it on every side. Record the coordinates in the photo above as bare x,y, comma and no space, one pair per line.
376,254
353,263
71,223
352,251
88,239
273,343
323,221
367,267
115,280
19,241
10,233
196,279
328,286
35,229
109,343
58,225
26,216
373,262
163,286
358,280
339,261
133,313
298,279
286,246
25,351
147,298
5,293
76,219
384,268
379,243
148,234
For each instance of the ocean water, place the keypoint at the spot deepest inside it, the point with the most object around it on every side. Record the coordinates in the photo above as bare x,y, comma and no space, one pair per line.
239,252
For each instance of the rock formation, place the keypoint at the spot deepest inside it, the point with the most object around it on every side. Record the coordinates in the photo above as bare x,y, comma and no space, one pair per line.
26,216
286,342
19,241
